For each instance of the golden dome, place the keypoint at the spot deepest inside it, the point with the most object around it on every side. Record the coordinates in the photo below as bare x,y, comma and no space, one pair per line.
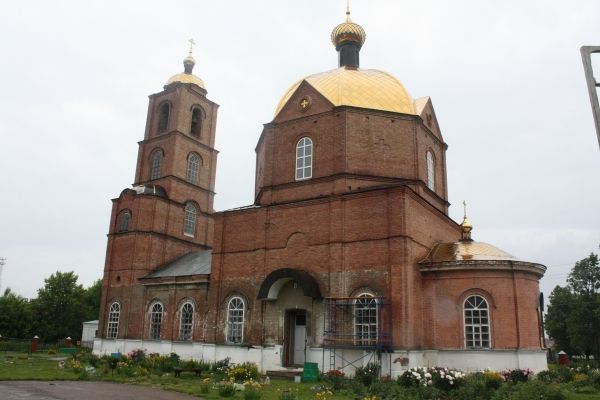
186,76
348,32
364,88
467,250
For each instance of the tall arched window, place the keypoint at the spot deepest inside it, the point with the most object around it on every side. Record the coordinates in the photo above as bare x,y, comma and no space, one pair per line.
189,220
186,323
163,117
430,171
235,320
124,220
196,125
477,323
365,319
304,159
193,168
156,314
113,320
155,164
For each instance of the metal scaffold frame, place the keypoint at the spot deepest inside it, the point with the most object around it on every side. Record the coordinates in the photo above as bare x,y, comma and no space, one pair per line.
356,323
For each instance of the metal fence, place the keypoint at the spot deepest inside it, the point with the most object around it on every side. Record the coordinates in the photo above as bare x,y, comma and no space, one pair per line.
24,345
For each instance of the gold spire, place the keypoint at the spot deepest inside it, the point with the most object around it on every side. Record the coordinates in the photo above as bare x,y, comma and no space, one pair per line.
466,226
189,62
348,11
188,66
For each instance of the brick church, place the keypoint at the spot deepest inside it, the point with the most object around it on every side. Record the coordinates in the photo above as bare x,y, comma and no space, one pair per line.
346,256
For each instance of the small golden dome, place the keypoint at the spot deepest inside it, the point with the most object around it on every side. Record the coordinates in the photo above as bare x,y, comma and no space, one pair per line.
364,88
186,76
348,32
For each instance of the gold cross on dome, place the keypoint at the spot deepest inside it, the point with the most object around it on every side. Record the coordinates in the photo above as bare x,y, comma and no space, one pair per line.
465,206
192,43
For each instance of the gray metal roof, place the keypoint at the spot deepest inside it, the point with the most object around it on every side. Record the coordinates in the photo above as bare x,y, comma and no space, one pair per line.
193,263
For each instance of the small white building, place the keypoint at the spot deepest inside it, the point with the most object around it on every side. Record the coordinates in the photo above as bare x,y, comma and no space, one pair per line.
89,333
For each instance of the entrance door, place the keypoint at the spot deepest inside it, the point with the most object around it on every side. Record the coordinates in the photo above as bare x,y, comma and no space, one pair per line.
299,339
295,342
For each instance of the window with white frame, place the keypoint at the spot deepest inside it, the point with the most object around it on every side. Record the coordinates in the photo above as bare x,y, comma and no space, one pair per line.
235,320
156,315
304,159
113,320
186,322
124,220
430,171
155,164
365,319
477,323
189,219
192,168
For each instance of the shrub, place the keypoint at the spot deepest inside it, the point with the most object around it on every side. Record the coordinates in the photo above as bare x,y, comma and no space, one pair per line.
244,372
226,389
252,390
289,394
336,378
323,395
516,375
475,387
205,385
559,374
529,390
367,374
440,378
137,355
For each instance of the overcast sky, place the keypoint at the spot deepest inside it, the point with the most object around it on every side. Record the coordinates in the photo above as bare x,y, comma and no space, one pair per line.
505,78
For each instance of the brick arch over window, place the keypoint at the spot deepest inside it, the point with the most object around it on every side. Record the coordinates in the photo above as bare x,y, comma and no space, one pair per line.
193,167
269,290
156,160
124,221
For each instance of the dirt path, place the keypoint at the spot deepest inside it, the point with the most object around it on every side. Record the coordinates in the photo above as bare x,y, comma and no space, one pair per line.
74,390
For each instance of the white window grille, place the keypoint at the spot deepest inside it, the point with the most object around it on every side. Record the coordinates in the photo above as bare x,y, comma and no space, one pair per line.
156,314
304,159
186,322
430,171
365,320
477,323
193,168
189,220
113,320
235,320
155,165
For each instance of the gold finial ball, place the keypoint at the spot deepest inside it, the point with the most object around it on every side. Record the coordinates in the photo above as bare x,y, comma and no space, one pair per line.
348,32
466,225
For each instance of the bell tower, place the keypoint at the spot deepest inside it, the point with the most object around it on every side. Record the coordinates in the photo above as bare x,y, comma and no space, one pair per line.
168,211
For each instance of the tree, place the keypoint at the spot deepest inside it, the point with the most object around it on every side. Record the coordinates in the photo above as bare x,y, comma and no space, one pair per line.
573,317
60,308
15,315
91,299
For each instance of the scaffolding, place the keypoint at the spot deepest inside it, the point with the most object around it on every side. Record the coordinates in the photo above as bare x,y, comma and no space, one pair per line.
356,323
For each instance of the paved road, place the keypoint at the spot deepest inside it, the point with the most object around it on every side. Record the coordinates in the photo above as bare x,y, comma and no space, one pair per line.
74,390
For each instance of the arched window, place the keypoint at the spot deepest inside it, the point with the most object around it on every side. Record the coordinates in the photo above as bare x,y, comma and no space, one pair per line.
304,159
155,164
186,322
477,323
124,220
196,125
235,320
156,314
430,171
189,220
365,319
113,320
193,168
163,117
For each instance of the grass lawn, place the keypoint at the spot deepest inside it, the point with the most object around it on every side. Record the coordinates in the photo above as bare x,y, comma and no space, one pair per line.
20,366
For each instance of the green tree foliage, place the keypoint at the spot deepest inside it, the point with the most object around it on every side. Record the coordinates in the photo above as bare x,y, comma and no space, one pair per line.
91,300
62,306
15,315
573,317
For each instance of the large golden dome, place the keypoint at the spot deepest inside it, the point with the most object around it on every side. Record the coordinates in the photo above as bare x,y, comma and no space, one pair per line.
364,88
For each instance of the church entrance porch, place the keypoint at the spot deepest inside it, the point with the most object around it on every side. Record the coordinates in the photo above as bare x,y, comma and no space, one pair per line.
295,338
